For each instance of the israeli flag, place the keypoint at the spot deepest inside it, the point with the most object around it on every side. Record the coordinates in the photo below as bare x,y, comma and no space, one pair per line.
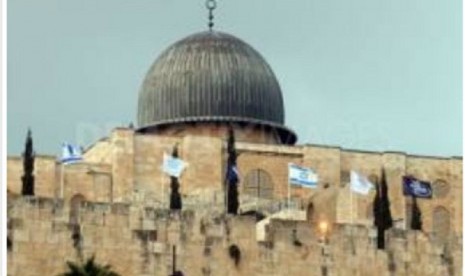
301,176
70,153
173,166
359,183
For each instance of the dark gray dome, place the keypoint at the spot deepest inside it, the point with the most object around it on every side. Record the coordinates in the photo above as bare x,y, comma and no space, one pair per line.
211,77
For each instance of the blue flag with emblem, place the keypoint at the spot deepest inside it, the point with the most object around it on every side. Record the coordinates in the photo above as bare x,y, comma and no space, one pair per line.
417,188
302,176
232,174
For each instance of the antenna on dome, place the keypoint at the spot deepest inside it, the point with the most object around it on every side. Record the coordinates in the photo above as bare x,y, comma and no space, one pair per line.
211,5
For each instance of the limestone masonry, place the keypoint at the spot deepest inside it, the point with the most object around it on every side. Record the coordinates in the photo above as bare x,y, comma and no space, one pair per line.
115,198
115,203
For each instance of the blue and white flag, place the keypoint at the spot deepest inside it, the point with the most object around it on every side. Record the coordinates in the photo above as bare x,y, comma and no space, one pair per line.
70,153
417,188
173,166
232,174
301,176
359,183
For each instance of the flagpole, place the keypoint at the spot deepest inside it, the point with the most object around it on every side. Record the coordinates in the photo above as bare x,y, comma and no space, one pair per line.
351,217
258,195
226,194
162,189
225,179
351,206
62,178
288,195
406,211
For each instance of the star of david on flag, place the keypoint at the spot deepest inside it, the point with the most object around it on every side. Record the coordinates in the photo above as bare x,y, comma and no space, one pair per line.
302,176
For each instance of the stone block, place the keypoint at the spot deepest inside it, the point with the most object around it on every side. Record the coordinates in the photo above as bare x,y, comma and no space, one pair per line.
21,236
158,247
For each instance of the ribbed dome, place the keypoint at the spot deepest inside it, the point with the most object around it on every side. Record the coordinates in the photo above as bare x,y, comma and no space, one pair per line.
211,77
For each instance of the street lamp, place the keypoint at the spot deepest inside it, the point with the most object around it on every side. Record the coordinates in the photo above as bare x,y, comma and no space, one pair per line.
323,227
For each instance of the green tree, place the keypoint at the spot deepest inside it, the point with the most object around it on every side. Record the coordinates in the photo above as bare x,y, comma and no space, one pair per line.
89,268
416,223
381,210
232,179
28,167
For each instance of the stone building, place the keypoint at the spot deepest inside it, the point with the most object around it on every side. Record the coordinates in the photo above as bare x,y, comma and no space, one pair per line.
114,203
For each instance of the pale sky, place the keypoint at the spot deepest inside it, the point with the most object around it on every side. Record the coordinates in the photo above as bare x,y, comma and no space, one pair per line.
360,74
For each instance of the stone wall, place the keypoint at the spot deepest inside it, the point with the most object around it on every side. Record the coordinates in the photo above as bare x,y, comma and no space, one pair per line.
149,180
138,240
44,174
99,152
92,181
130,170
273,160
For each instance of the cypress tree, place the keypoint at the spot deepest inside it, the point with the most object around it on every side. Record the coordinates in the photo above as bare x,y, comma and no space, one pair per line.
381,210
231,178
416,223
28,166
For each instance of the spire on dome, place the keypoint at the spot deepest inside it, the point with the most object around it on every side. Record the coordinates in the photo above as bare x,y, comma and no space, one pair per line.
211,5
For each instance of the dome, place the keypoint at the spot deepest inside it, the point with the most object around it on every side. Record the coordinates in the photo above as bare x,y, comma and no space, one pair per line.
211,77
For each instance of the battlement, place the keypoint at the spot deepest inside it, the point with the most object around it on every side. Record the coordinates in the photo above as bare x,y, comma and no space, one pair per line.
138,240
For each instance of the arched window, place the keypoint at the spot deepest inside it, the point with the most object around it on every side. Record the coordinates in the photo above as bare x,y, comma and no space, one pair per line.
258,183
310,212
440,188
75,205
441,223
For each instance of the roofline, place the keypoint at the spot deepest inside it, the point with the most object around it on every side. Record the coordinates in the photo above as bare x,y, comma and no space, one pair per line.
286,135
385,152
102,139
39,156
433,157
